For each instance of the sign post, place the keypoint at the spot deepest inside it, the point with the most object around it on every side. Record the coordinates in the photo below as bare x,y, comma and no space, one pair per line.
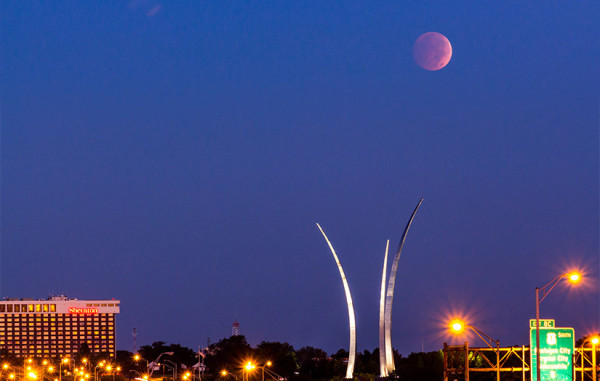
555,353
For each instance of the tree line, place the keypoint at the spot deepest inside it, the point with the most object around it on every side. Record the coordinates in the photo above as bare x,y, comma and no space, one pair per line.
307,363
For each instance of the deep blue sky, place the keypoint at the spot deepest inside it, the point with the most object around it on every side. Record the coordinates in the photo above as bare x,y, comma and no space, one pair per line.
176,155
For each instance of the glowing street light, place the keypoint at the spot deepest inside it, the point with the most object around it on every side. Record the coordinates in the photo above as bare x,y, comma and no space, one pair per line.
458,326
268,363
594,340
248,367
572,277
63,361
99,366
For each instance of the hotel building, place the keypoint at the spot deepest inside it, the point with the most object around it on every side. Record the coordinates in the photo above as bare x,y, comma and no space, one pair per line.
57,326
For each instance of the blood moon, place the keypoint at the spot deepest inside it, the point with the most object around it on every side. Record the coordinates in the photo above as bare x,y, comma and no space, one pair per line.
432,51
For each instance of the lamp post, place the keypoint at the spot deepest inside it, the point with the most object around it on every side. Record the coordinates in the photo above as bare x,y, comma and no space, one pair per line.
225,373
573,278
458,326
153,363
100,365
248,368
62,361
268,363
174,368
594,340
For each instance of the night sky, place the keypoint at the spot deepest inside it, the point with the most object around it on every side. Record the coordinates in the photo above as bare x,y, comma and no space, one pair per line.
177,155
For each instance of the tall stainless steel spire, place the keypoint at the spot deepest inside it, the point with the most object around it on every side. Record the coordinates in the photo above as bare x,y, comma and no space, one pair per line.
382,367
351,318
389,356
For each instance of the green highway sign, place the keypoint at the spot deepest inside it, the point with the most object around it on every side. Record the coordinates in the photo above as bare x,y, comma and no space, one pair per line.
544,323
556,353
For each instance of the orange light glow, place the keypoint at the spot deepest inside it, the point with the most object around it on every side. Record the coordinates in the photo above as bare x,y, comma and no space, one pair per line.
595,340
574,277
457,326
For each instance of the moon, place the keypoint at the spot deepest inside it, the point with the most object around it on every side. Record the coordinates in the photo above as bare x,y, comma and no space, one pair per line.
432,51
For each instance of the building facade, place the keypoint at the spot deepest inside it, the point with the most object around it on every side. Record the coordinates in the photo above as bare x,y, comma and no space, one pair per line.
57,326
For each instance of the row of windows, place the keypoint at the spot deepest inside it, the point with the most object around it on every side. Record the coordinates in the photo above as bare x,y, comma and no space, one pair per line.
58,315
28,307
44,307
59,347
55,340
89,325
55,334
55,327
96,348
55,343
103,305
52,352
60,318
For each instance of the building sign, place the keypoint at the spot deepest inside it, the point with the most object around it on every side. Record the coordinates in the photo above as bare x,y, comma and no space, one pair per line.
83,311
544,323
556,353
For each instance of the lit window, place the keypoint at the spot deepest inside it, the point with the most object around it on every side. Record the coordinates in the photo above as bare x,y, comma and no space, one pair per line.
45,308
38,308
17,308
30,307
9,308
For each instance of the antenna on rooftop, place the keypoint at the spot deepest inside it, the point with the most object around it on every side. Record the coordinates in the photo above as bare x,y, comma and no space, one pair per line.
134,334
235,329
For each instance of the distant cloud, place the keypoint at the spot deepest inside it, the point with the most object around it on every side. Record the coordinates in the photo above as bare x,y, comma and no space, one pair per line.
149,7
153,11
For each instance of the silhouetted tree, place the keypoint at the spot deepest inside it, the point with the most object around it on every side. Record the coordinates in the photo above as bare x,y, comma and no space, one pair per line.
314,363
282,355
229,354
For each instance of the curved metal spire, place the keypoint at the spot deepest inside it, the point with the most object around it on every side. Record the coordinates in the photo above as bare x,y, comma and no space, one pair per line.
351,318
382,367
389,357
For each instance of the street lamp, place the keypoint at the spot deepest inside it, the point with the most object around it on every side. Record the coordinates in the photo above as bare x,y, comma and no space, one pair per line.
100,365
62,361
268,363
225,373
573,277
174,368
247,369
458,326
153,363
595,341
